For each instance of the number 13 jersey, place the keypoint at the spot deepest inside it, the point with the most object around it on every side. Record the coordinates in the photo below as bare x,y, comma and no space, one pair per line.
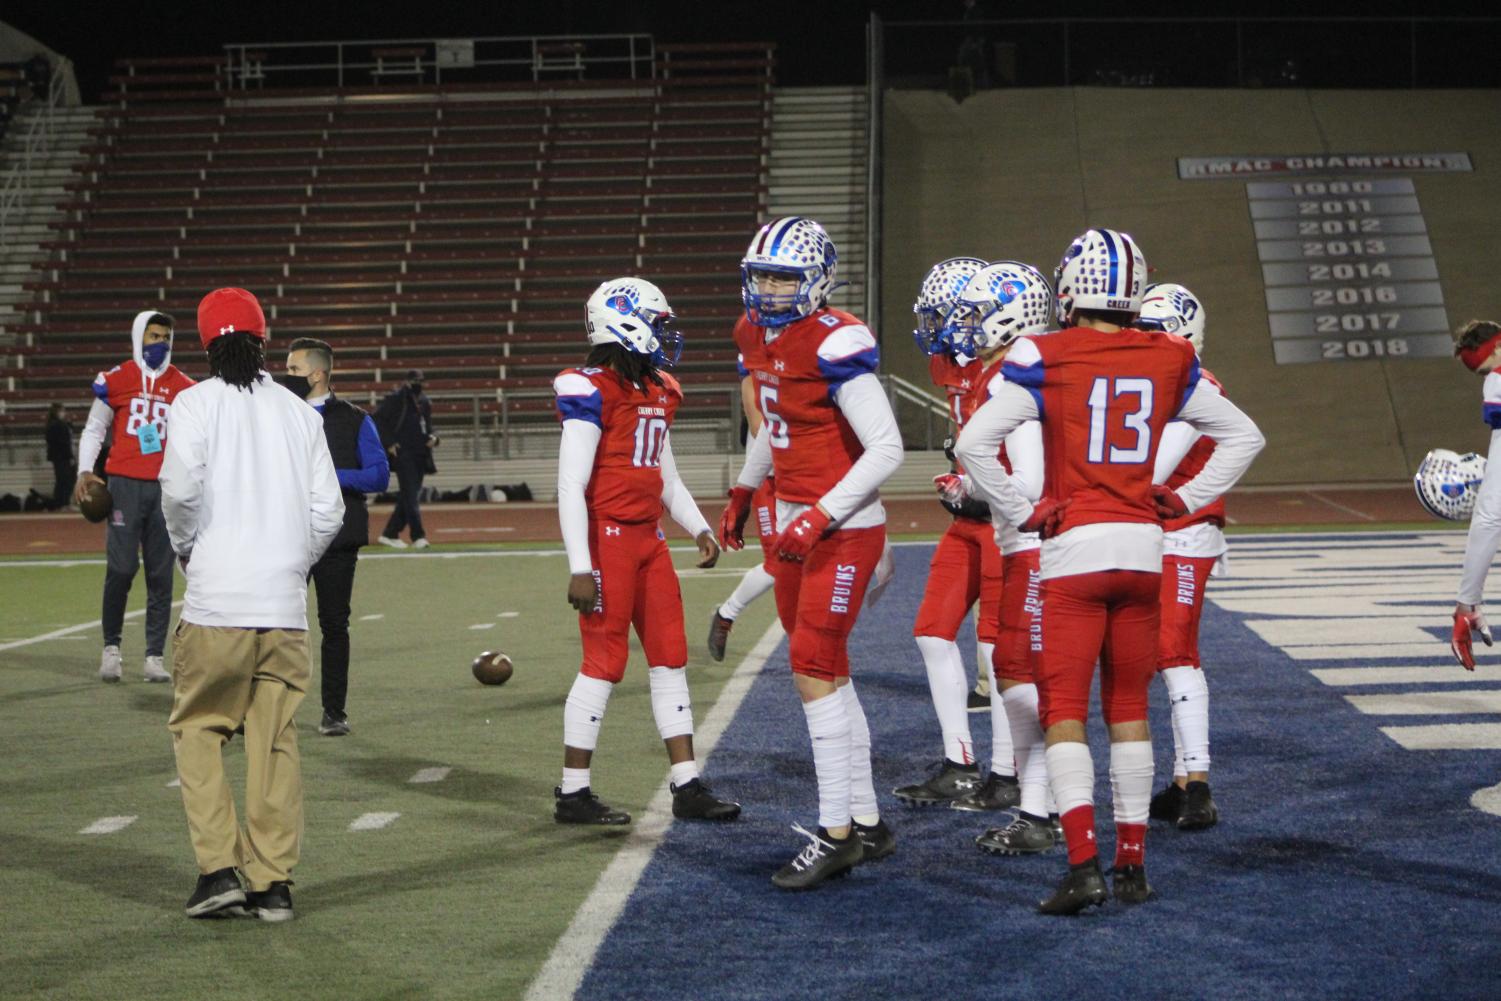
626,482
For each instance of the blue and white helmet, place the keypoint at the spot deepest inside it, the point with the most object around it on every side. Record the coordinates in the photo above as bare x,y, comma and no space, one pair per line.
1448,484
1101,270
935,300
798,248
633,313
1003,301
1174,309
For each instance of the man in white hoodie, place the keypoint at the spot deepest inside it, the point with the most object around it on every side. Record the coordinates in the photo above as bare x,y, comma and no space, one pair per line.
251,502
132,402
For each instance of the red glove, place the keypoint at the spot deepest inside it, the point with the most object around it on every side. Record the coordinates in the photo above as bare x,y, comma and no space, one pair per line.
797,540
1045,519
1169,504
1461,643
950,487
732,522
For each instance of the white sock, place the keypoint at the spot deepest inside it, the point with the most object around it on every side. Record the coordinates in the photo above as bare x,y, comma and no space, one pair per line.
669,701
1003,760
684,772
755,583
1071,775
575,779
829,730
1031,752
863,807
584,710
1131,780
1188,692
949,687
984,679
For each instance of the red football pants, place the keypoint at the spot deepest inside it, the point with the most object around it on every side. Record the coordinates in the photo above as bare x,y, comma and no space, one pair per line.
966,567
638,587
1111,616
1018,652
819,599
1183,581
764,510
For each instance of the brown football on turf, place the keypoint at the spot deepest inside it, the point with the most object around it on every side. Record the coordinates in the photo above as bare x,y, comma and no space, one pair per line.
97,503
492,668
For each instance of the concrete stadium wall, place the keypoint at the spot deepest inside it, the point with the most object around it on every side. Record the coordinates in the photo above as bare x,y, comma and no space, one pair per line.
1018,173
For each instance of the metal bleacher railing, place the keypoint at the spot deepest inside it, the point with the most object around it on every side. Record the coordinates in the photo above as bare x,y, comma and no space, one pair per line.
17,185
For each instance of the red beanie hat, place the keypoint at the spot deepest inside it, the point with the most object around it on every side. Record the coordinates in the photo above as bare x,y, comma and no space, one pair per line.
228,311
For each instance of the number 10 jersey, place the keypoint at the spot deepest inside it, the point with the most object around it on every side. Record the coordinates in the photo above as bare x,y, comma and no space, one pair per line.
626,482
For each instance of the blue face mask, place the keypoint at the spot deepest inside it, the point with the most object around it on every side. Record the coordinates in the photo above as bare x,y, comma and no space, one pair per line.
155,354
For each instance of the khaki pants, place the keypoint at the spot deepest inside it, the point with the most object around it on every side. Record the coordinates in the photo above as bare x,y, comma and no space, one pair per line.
221,678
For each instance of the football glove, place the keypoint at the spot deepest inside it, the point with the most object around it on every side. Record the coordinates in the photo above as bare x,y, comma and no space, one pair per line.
1045,519
1169,504
732,522
950,488
1468,618
798,539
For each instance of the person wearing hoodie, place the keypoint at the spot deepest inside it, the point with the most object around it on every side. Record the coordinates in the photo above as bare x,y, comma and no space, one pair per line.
131,406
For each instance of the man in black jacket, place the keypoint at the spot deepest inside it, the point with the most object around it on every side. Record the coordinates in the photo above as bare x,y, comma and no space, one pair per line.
405,419
60,454
360,463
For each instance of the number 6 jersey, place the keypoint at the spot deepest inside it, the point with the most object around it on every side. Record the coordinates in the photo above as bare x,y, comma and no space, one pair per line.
625,484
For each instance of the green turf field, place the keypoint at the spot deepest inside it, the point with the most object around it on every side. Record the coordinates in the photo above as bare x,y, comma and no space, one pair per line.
462,896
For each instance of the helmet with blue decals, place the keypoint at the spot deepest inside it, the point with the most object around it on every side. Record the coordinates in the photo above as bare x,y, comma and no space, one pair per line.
1448,484
1003,301
1102,271
796,253
935,300
1174,309
633,313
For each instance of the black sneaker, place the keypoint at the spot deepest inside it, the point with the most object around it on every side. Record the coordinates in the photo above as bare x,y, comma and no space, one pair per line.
694,801
876,840
821,858
1199,812
334,724
998,792
1168,804
272,904
949,781
217,895
1083,887
979,701
583,807
719,634
1130,884
1026,835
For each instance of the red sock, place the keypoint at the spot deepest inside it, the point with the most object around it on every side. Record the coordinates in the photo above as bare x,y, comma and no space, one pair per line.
1078,833
1130,844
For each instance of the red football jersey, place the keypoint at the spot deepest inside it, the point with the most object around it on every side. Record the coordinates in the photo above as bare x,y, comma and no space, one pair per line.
797,374
1103,399
750,345
1192,463
138,400
626,483
956,381
974,398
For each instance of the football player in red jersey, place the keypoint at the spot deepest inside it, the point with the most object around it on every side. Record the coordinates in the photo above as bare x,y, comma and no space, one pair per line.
1446,487
132,402
830,436
616,475
1103,393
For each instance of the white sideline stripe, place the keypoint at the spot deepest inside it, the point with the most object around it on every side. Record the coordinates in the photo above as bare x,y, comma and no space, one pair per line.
69,630
1488,800
1486,700
1340,507
175,784
507,615
1436,674
574,952
1435,648
483,625
109,825
372,821
372,618
1447,737
436,774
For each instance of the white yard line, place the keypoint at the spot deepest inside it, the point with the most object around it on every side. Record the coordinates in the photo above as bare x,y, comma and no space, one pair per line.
373,821
109,825
483,625
372,618
435,774
69,630
574,952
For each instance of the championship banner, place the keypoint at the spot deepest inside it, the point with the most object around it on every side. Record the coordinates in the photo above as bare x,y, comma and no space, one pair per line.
1205,168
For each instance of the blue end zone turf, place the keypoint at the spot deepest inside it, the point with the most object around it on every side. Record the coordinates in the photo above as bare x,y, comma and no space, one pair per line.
1344,866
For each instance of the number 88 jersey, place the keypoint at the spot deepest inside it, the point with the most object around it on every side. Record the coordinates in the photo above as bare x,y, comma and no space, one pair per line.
138,400
626,482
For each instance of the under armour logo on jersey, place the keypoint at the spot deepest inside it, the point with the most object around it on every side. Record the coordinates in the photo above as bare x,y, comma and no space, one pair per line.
661,399
612,529
780,366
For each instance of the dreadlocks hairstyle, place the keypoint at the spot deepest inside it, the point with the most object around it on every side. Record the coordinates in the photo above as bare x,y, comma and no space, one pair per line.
635,367
237,358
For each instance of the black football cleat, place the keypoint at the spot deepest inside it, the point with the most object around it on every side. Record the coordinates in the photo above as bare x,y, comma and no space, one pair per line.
583,807
695,801
217,895
822,858
876,840
1199,812
1083,887
334,724
719,634
1056,823
978,701
950,781
271,904
1168,804
997,792
1026,835
1130,884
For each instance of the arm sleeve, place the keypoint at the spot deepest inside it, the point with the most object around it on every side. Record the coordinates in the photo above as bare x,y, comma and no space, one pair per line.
325,499
1024,449
757,465
181,479
676,498
1177,438
1237,442
95,430
979,446
374,474
863,403
1485,529
575,466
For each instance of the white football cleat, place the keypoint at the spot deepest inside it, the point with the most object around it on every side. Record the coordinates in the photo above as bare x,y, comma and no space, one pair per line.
154,670
109,664
386,540
421,544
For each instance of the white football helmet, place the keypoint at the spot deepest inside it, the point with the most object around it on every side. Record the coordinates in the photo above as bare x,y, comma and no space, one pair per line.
1448,484
795,247
1101,270
935,300
1174,309
1003,301
634,313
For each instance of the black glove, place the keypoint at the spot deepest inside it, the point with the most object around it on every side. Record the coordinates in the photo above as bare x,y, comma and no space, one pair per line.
971,507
